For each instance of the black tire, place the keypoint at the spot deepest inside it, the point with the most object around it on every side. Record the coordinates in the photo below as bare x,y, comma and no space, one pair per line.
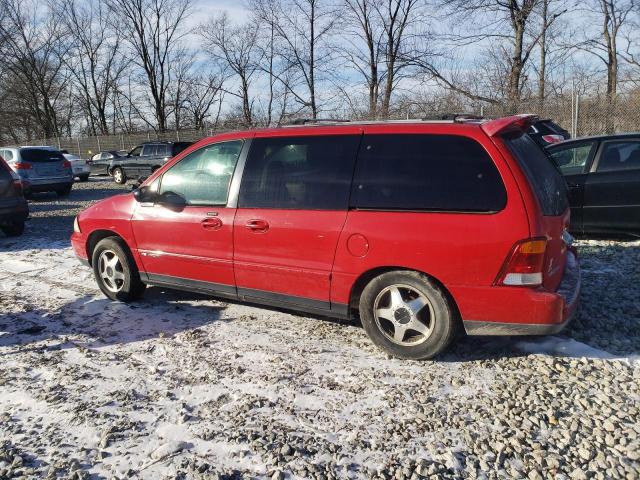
131,287
28,194
438,310
119,176
13,230
84,178
63,192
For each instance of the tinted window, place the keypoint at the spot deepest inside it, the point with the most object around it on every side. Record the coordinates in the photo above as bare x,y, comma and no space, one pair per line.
623,155
40,155
162,150
299,172
572,160
203,177
544,177
426,172
149,150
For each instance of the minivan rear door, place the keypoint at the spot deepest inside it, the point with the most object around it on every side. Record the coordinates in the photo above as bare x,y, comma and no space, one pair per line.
550,189
291,209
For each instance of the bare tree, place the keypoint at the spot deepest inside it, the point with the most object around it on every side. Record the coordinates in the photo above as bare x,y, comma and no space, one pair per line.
96,60
511,29
153,30
32,49
614,15
235,47
304,28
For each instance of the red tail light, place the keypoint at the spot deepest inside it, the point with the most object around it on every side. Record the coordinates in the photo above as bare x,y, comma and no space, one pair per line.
66,164
524,265
553,138
22,166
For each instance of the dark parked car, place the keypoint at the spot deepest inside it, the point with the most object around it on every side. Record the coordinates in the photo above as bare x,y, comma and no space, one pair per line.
100,163
603,176
145,159
547,132
13,207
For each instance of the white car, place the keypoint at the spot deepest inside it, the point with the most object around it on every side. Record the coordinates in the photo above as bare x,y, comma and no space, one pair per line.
80,167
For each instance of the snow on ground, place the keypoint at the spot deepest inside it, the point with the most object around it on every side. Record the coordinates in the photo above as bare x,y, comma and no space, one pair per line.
184,386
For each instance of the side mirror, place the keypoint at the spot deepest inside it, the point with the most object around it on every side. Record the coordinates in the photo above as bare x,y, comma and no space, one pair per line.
172,201
145,195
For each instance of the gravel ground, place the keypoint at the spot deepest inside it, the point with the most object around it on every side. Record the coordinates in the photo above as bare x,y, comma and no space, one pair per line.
183,386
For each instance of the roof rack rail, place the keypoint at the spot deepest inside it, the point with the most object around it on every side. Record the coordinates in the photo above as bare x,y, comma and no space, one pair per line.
307,121
453,117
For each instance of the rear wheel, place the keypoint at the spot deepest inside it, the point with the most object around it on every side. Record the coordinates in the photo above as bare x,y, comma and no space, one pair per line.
63,192
119,176
13,229
116,271
407,315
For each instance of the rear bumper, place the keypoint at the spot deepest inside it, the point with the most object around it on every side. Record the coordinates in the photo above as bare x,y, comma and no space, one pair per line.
48,185
81,170
536,312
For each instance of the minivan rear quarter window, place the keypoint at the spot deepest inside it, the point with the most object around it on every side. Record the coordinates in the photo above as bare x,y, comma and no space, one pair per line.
547,182
426,172
40,155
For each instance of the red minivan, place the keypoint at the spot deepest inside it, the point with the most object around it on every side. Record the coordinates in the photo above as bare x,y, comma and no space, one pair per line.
418,228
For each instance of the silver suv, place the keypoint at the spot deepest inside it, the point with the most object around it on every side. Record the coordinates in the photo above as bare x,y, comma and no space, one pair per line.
41,169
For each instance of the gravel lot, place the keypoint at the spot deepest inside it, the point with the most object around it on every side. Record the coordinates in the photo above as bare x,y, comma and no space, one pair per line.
183,386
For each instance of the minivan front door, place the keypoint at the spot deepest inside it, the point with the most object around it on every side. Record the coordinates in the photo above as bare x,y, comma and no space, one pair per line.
291,209
185,237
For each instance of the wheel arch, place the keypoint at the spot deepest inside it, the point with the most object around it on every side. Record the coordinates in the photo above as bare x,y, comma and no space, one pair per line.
363,280
96,236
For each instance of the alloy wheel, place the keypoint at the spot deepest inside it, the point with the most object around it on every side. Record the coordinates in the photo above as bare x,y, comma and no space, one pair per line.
404,315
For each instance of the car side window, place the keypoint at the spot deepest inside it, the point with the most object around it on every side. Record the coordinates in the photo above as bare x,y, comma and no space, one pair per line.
572,160
136,152
149,150
162,150
304,173
426,172
7,155
619,155
204,176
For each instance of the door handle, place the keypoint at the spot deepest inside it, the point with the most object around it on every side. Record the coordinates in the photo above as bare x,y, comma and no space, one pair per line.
258,226
572,185
213,223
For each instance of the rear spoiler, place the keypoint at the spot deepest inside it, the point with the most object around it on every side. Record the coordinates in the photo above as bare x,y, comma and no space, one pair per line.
514,123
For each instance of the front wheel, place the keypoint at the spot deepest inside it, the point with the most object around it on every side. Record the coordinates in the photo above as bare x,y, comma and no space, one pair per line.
407,315
116,271
13,229
118,176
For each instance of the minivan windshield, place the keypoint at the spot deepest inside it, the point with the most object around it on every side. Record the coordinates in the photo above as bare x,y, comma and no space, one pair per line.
547,182
40,155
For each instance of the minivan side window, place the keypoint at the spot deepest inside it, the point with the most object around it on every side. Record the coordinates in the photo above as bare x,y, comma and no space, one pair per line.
426,172
620,155
203,177
307,173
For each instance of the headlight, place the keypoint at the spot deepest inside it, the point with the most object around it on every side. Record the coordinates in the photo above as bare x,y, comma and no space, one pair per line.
76,225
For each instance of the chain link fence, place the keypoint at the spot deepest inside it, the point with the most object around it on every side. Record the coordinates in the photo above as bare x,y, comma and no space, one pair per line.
581,116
